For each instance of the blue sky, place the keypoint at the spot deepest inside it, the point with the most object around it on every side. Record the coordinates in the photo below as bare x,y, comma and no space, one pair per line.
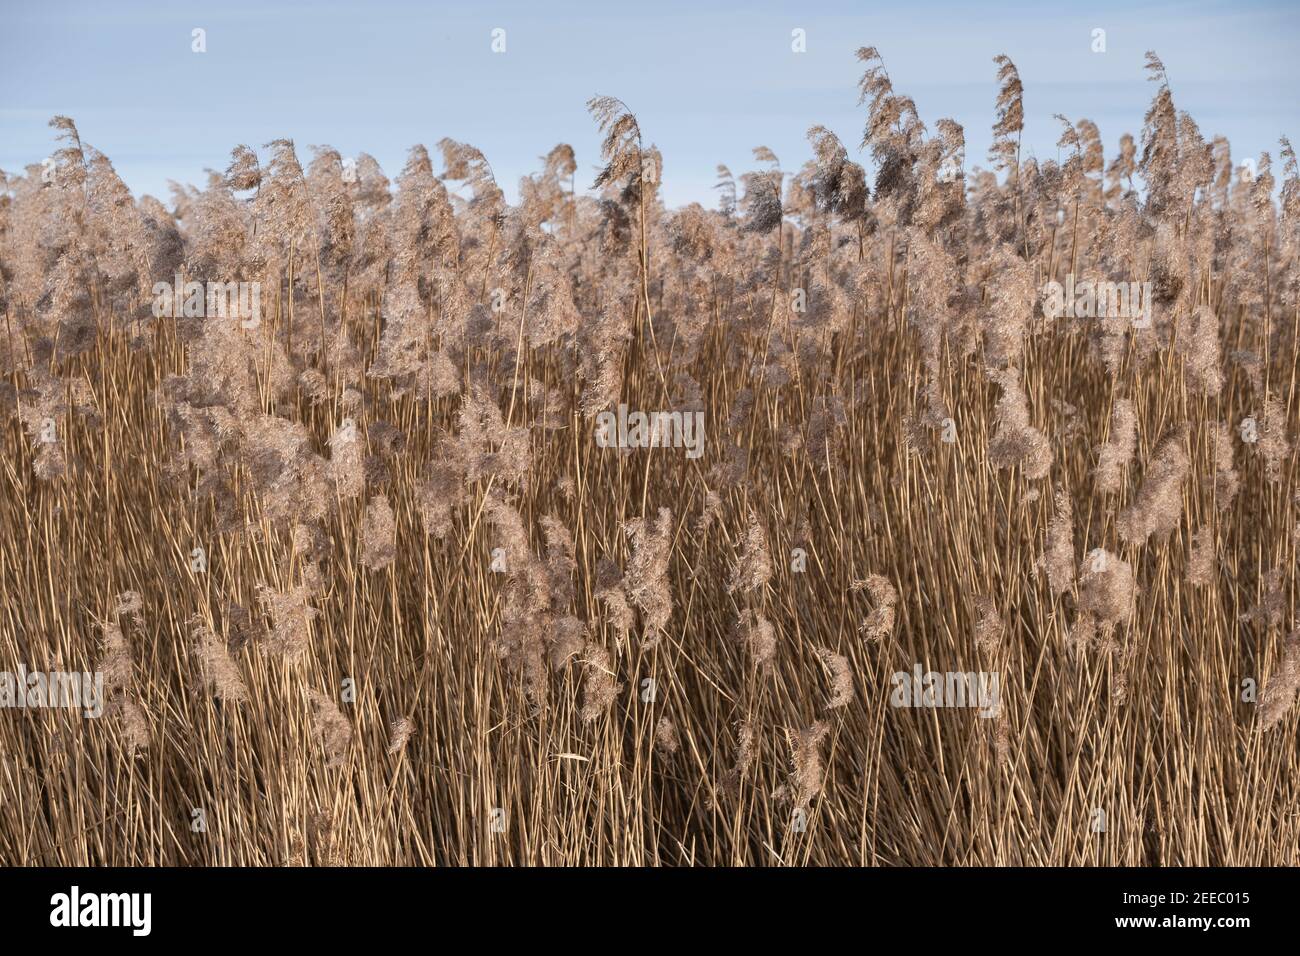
707,81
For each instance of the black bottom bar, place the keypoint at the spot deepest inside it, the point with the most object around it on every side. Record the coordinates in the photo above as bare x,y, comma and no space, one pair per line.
341,905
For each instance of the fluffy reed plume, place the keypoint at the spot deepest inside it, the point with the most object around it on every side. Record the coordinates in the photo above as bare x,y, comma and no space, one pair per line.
600,686
1158,507
1279,691
135,725
437,498
115,664
753,568
333,731
610,593
1204,371
119,688
621,149
390,467
130,605
733,778
1017,442
378,534
1057,559
290,613
666,739
399,734
1107,588
646,578
220,675
347,460
1269,612
1274,445
1202,562
1011,115
840,674
879,623
1117,451
710,513
758,637
806,768
989,630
